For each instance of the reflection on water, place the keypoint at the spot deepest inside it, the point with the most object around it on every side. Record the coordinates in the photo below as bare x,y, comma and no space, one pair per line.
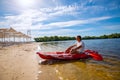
108,69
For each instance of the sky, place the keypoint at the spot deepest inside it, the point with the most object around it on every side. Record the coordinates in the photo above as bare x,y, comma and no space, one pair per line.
61,17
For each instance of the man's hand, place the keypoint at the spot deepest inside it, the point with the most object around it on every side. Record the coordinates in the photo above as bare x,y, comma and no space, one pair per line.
68,50
72,50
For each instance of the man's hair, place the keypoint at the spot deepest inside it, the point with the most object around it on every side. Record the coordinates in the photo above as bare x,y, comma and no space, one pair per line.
79,36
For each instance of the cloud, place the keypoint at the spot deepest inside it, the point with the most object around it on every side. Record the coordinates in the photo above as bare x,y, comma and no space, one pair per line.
72,23
33,19
60,32
35,16
66,10
111,27
59,16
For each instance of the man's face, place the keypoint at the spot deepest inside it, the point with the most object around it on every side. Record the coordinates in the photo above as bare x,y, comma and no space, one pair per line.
78,39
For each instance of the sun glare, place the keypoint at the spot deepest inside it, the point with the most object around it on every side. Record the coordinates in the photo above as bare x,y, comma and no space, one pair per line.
26,3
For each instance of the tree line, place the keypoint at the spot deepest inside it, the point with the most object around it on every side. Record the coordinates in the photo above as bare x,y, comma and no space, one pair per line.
61,38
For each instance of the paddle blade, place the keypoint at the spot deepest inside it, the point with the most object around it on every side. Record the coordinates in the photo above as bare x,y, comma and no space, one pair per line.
96,56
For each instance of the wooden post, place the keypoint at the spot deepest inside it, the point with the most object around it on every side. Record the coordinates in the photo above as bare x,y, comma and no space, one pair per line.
14,37
3,36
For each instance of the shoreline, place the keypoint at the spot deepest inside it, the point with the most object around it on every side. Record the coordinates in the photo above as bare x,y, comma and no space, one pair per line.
73,40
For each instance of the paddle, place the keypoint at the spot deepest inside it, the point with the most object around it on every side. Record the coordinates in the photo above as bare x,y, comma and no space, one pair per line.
96,56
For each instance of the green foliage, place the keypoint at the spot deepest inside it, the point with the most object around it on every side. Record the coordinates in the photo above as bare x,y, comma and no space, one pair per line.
53,38
61,38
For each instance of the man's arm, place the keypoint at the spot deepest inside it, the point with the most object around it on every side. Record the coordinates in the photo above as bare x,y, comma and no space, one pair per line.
72,46
78,47
69,48
75,49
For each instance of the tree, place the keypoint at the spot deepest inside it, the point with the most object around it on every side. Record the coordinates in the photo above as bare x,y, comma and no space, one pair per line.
60,38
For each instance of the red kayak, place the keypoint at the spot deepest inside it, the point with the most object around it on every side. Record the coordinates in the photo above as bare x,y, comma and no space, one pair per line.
66,56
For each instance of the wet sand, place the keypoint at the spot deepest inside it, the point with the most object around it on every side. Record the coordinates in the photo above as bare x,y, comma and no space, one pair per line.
80,70
18,62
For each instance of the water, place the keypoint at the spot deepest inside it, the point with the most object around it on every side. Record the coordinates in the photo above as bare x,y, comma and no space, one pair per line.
89,69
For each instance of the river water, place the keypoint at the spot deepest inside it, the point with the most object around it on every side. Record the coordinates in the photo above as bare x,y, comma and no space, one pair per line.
89,69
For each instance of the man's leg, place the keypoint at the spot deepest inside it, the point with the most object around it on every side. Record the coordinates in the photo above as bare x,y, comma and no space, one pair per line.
74,52
68,50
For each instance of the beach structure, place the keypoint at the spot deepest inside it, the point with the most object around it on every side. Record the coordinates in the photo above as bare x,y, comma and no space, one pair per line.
11,35
3,34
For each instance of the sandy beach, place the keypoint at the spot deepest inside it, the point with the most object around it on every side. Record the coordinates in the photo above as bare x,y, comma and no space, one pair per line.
18,62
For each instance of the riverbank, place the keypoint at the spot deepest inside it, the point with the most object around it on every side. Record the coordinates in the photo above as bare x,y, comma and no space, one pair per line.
18,62
63,38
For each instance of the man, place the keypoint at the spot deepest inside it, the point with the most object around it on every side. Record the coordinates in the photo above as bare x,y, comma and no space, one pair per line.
78,47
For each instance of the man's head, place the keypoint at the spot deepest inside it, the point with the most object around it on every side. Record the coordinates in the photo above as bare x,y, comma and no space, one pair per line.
78,38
